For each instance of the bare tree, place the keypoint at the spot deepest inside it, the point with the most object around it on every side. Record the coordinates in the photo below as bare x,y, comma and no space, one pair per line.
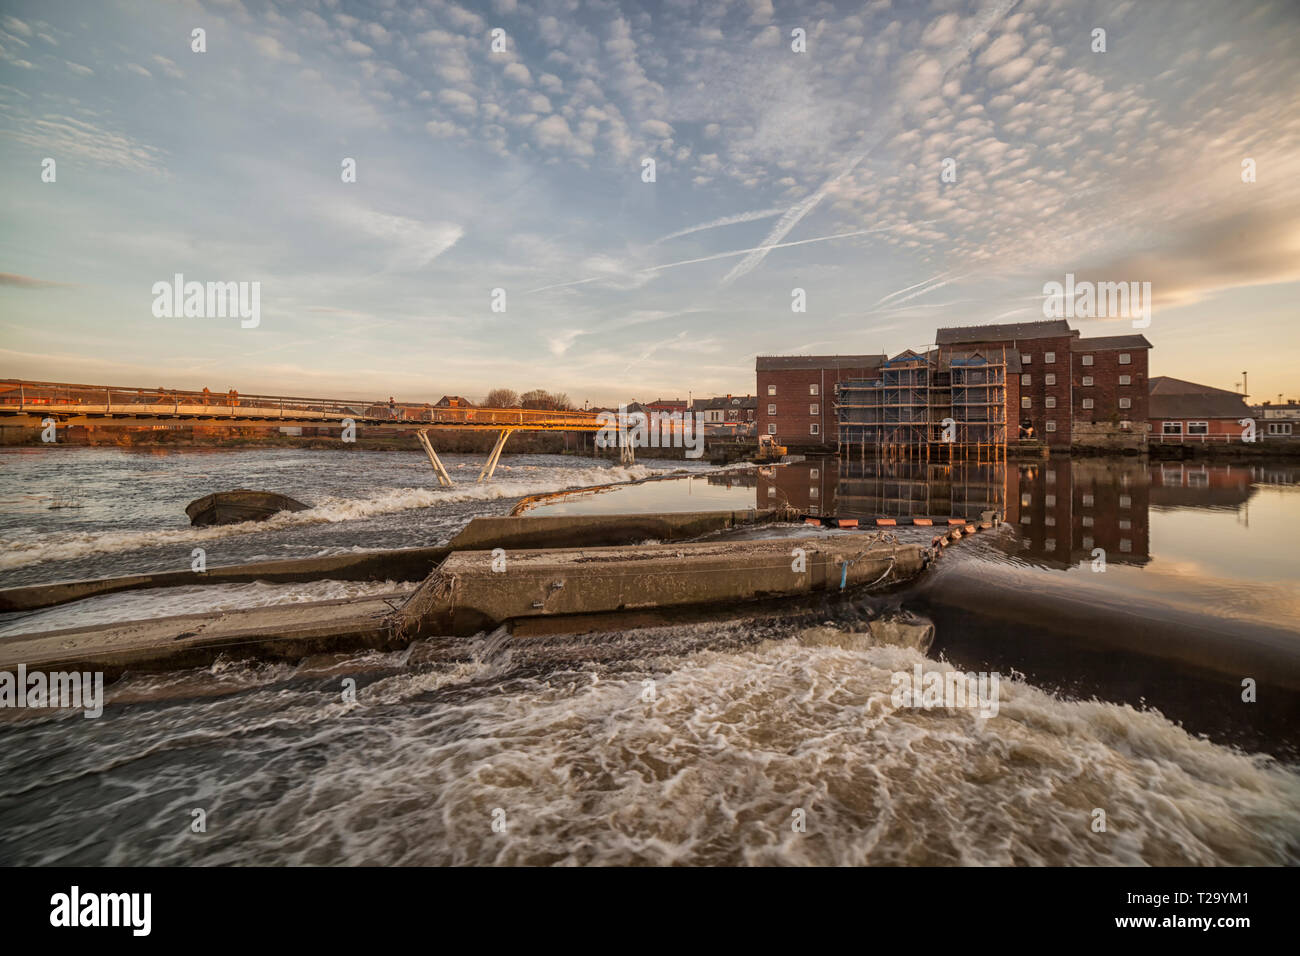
501,398
541,398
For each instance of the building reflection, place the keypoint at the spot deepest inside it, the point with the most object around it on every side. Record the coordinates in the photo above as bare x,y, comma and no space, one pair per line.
1062,508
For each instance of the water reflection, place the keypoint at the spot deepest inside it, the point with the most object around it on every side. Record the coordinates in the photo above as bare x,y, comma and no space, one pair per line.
1063,508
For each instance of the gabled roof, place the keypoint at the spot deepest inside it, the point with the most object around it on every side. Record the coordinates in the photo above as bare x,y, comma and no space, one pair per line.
726,401
450,401
776,363
1102,343
1051,328
1174,398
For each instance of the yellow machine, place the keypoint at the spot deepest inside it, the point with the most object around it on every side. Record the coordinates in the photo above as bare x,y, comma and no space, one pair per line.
768,449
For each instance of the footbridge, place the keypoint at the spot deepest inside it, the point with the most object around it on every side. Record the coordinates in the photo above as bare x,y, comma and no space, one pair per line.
40,404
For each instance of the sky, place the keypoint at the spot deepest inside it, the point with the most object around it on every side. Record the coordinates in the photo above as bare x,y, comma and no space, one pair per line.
795,146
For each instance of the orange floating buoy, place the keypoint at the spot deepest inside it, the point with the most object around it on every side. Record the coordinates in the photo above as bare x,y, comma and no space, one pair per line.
922,522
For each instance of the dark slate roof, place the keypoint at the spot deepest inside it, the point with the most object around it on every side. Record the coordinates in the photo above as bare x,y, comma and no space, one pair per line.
722,401
777,363
1012,358
997,333
1101,343
1174,398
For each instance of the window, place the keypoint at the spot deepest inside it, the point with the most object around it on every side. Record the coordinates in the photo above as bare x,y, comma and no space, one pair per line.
813,509
1125,501
1087,543
813,410
1026,380
1125,545
1126,403
1026,499
1049,378
1026,402
814,429
812,491
771,429
1026,358
1049,501
1050,521
814,473
1125,524
771,409
1172,428
1051,426
1087,360
1125,358
1026,519
1049,357
1049,544
771,390
1087,403
1198,428
812,390
1050,401
1086,521
1087,380
1279,428
1126,380
1126,426
1088,500
771,491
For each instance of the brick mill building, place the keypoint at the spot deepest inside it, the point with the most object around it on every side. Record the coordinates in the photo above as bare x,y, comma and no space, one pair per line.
996,383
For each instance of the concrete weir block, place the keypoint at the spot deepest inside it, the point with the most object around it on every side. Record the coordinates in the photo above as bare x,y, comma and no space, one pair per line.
466,594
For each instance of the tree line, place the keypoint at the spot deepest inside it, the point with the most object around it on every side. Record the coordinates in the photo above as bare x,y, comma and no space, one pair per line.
537,398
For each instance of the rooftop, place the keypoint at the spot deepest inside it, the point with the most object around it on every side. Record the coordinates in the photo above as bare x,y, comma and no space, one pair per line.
1176,399
1052,328
1103,342
775,363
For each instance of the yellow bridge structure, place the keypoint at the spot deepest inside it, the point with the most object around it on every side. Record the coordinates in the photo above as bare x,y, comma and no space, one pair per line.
40,404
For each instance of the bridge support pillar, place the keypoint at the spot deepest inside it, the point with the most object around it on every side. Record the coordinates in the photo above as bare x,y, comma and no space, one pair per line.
626,453
444,479
495,457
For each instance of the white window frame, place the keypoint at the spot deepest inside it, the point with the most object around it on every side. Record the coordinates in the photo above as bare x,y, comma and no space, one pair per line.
1026,379
1049,378
1126,402
1088,403
1050,401
1176,429
814,429
1049,358
1051,426
812,389
1125,358
1198,425
771,429
1126,379
771,390
1086,359
1026,402
771,410
814,409
1087,381
1026,358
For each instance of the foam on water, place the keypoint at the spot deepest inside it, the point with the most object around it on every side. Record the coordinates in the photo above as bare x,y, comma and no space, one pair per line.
25,549
587,770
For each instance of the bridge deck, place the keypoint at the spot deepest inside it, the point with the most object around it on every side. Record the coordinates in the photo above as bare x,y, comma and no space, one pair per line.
28,403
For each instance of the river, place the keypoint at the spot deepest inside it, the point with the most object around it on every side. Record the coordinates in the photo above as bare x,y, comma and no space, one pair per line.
1122,602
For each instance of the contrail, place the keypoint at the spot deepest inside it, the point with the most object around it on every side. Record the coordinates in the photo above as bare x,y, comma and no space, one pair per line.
807,205
929,289
891,295
724,221
725,255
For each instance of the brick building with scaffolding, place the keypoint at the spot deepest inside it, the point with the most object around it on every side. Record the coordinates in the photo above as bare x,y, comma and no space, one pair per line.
982,387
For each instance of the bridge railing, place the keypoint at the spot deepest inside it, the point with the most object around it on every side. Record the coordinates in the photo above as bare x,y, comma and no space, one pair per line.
32,396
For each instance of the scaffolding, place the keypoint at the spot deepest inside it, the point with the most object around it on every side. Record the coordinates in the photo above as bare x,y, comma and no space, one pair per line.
926,406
